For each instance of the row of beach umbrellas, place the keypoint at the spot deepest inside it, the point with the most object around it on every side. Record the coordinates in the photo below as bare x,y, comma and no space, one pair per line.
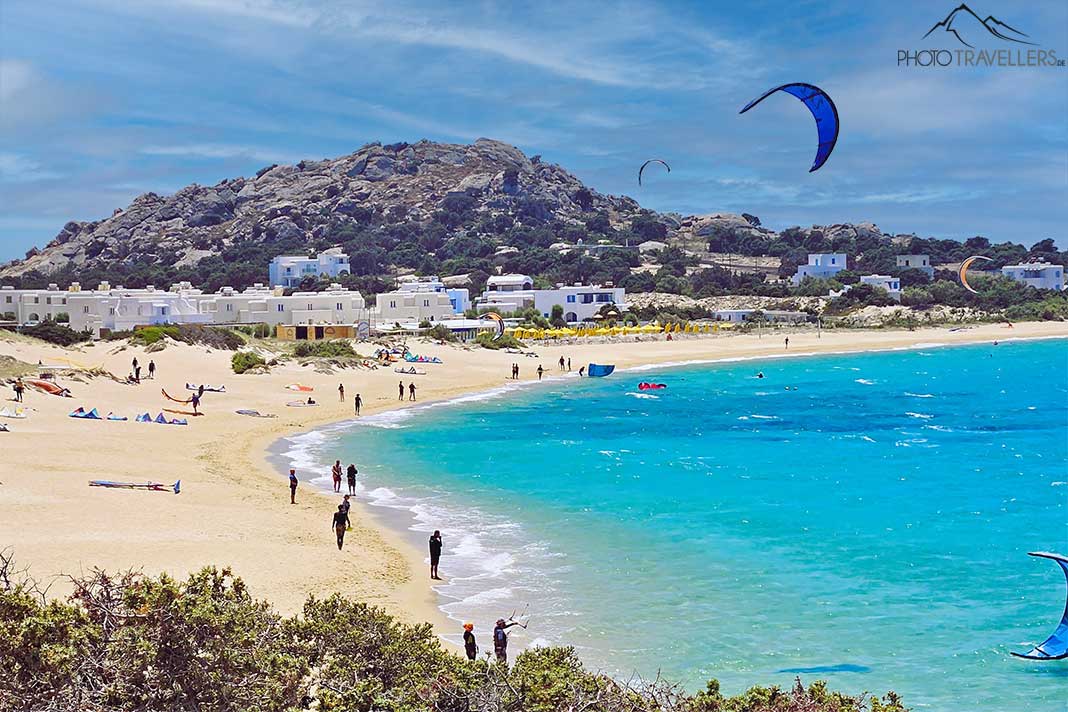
520,332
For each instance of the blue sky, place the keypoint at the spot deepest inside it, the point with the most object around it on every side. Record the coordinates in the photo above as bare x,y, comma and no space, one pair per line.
103,100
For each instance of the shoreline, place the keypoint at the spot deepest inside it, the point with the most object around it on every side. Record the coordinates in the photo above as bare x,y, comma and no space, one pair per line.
234,508
404,522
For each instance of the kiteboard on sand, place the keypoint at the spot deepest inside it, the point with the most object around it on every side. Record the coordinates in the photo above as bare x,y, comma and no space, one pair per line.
150,486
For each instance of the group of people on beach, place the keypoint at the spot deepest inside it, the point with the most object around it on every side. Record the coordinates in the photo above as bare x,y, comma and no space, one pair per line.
411,391
135,370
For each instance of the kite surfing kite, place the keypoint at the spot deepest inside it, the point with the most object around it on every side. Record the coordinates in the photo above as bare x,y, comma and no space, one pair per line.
963,273
150,486
823,111
494,316
651,160
1054,647
172,398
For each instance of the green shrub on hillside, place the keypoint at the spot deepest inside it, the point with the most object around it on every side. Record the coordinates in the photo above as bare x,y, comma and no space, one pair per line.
440,332
137,642
486,341
242,361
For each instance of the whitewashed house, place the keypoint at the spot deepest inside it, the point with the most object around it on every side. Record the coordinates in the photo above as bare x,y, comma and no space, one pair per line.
920,262
885,282
260,304
514,292
820,266
1041,275
121,309
31,306
409,306
291,270
460,298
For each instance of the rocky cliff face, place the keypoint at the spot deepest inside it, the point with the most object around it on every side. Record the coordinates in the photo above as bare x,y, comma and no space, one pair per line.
400,182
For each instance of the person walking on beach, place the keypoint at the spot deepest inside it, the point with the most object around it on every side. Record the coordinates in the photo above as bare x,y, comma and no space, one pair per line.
500,640
346,505
292,486
351,474
400,391
435,554
411,391
540,371
152,369
19,389
357,403
134,366
335,472
340,524
787,340
470,646
195,402
341,392
137,373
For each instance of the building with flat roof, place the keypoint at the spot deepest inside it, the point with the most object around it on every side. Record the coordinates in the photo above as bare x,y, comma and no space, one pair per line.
892,285
920,262
460,298
1041,275
291,270
823,265
581,302
403,306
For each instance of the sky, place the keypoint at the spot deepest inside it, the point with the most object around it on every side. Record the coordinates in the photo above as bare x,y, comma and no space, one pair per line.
101,100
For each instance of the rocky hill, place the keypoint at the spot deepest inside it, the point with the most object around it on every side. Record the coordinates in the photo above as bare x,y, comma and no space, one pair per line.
399,184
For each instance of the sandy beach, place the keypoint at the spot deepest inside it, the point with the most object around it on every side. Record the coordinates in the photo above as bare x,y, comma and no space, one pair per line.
234,507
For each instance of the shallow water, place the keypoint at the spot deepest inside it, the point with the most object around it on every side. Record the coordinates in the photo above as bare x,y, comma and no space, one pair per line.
869,527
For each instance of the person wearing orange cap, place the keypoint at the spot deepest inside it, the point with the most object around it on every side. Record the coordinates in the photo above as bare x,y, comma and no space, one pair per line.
469,641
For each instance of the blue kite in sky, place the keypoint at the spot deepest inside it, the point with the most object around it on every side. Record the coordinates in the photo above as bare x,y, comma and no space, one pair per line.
823,111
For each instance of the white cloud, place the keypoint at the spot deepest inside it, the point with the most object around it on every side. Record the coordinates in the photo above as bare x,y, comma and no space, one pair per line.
219,151
16,168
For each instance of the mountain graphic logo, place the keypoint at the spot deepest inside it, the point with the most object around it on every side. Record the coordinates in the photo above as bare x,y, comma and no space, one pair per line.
963,22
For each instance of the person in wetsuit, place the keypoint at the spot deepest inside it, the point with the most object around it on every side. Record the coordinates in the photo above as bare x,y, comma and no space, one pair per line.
435,554
351,477
470,646
500,640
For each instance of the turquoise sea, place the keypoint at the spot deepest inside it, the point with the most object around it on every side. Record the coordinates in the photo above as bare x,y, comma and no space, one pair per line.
861,518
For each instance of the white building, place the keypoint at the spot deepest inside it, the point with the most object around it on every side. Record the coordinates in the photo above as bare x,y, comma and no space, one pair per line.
820,266
401,306
259,304
460,298
886,282
739,315
30,306
920,262
291,270
1041,275
514,292
121,309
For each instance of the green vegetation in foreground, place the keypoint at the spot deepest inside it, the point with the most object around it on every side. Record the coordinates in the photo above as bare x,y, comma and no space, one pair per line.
243,361
486,341
325,349
134,642
195,334
55,333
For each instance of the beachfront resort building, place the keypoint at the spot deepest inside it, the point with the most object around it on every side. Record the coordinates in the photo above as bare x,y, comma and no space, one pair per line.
260,304
1040,275
30,306
291,270
514,292
459,298
920,262
884,281
402,306
121,309
822,265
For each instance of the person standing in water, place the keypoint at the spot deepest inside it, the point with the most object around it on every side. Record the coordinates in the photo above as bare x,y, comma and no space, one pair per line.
500,640
357,403
292,486
435,554
400,391
351,474
470,646
335,473
341,392
340,524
